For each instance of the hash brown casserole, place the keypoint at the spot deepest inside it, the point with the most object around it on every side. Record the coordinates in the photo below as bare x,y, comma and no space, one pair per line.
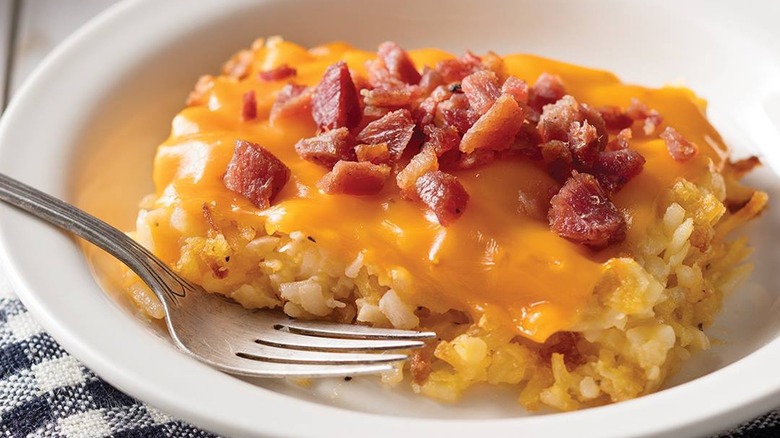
561,232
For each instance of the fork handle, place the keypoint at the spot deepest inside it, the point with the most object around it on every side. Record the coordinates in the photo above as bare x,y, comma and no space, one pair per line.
92,229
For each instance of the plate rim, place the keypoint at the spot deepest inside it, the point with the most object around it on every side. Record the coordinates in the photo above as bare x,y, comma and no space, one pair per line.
718,415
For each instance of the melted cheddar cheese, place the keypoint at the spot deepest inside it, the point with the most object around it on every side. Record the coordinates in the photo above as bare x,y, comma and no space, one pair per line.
494,262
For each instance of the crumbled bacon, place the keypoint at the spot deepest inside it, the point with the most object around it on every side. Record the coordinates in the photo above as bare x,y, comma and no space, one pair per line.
256,174
495,63
582,213
426,111
397,97
395,129
284,71
442,140
547,89
482,89
462,114
496,129
425,161
443,194
583,144
375,153
639,111
429,80
516,88
238,66
557,117
615,118
456,112
679,148
593,117
454,70
398,63
527,142
557,155
620,141
249,106
335,102
420,365
355,178
616,168
328,148
292,100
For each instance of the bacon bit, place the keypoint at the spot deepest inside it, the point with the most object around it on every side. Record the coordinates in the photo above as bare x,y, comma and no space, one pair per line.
547,89
614,169
496,129
420,365
679,148
353,178
371,113
198,95
443,194
430,80
249,106
394,129
557,155
582,213
335,103
425,161
256,174
375,153
292,100
639,111
620,141
482,90
527,142
238,66
398,97
441,140
593,117
495,63
614,118
425,113
456,112
583,144
556,119
398,63
454,70
516,88
284,71
327,148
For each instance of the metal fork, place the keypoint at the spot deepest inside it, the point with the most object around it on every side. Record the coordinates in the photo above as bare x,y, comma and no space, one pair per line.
220,332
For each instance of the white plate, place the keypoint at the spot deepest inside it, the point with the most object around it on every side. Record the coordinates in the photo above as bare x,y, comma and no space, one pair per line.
85,127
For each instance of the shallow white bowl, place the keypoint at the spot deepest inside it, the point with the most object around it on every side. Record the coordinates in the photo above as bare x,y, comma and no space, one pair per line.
85,127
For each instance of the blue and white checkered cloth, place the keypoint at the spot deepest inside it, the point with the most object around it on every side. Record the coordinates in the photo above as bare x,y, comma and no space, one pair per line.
46,393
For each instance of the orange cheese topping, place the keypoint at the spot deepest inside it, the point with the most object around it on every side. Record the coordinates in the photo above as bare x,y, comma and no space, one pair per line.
494,262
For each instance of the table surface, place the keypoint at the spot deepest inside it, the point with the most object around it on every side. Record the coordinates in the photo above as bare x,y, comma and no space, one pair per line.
30,29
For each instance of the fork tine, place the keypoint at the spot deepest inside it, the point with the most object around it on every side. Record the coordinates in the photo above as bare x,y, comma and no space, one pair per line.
256,368
285,355
350,331
297,341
